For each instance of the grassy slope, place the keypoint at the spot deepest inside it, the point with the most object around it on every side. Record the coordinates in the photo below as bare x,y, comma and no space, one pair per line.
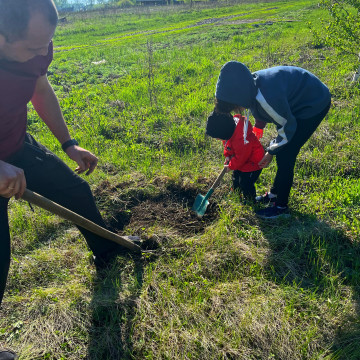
239,288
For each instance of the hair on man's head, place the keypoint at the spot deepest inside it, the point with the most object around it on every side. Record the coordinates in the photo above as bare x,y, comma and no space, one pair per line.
220,125
15,16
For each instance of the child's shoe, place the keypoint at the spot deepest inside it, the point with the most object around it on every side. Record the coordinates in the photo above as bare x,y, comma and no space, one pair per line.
266,199
273,212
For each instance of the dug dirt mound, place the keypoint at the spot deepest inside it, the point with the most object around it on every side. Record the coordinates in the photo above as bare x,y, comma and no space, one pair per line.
164,205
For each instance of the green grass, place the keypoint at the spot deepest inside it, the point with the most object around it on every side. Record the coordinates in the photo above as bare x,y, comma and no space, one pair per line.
228,286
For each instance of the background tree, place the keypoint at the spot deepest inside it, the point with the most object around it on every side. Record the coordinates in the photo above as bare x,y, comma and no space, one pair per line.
61,3
342,29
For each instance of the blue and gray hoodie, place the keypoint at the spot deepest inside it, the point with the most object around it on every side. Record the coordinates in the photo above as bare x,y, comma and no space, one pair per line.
282,95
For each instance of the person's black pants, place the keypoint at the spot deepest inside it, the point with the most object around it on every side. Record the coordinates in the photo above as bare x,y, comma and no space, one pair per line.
47,175
245,182
286,159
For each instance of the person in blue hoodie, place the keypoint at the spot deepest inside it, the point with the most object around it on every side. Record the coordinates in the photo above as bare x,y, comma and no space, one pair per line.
290,97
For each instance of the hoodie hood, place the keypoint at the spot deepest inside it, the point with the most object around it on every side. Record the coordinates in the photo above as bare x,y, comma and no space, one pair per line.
236,85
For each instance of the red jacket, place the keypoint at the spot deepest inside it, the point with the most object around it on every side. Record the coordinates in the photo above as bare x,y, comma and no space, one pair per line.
243,157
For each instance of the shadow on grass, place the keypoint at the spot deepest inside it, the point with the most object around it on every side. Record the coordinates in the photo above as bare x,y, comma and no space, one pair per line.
117,288
113,305
322,259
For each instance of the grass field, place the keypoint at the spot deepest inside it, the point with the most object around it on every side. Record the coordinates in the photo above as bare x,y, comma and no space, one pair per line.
135,87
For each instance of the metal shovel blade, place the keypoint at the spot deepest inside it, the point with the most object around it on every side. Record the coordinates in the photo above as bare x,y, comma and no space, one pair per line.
200,205
201,202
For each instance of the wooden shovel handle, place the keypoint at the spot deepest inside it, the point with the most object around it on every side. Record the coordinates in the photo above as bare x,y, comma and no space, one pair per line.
77,219
217,181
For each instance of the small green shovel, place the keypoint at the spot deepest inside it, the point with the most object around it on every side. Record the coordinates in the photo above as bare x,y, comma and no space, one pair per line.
201,202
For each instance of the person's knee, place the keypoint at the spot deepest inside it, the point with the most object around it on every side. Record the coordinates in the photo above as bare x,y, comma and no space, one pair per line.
286,162
82,189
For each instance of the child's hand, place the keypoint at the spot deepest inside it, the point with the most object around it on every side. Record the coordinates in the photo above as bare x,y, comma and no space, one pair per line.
227,160
258,132
227,168
266,160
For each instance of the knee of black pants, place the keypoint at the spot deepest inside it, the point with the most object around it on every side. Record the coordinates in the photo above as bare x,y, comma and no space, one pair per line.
246,183
80,200
286,160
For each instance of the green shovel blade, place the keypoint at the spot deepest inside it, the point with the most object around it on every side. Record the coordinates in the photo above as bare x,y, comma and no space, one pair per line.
201,203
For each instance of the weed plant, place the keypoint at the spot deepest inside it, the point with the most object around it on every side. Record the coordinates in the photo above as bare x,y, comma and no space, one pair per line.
135,88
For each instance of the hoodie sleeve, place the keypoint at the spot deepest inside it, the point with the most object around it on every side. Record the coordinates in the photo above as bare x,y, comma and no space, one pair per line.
286,123
286,94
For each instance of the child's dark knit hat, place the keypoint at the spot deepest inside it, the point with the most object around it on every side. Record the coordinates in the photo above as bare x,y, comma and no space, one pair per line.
220,125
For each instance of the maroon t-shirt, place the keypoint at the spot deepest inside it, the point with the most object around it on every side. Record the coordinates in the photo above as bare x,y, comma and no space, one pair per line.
17,85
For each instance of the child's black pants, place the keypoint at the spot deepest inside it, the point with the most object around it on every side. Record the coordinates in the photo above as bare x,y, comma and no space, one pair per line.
245,182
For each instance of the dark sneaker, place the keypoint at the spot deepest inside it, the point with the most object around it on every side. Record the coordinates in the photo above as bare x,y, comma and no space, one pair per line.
265,199
273,212
7,355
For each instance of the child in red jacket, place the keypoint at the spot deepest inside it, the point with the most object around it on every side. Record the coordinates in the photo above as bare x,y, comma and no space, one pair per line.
242,149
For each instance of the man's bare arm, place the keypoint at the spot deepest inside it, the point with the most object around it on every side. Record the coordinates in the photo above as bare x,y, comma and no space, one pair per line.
47,106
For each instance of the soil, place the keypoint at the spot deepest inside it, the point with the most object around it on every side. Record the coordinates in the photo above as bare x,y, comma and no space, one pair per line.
136,206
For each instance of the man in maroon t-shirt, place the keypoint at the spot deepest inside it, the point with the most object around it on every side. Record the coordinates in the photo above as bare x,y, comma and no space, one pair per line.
23,66
26,30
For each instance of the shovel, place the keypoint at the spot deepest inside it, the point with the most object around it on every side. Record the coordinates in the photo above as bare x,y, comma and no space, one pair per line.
79,220
201,202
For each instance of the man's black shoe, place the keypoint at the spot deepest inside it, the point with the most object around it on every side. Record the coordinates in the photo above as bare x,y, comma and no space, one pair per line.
7,355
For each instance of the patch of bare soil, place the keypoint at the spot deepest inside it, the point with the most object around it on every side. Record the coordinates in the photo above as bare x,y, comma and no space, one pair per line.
163,204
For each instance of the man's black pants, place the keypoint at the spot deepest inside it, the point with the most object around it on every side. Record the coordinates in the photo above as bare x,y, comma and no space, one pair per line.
286,159
47,175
